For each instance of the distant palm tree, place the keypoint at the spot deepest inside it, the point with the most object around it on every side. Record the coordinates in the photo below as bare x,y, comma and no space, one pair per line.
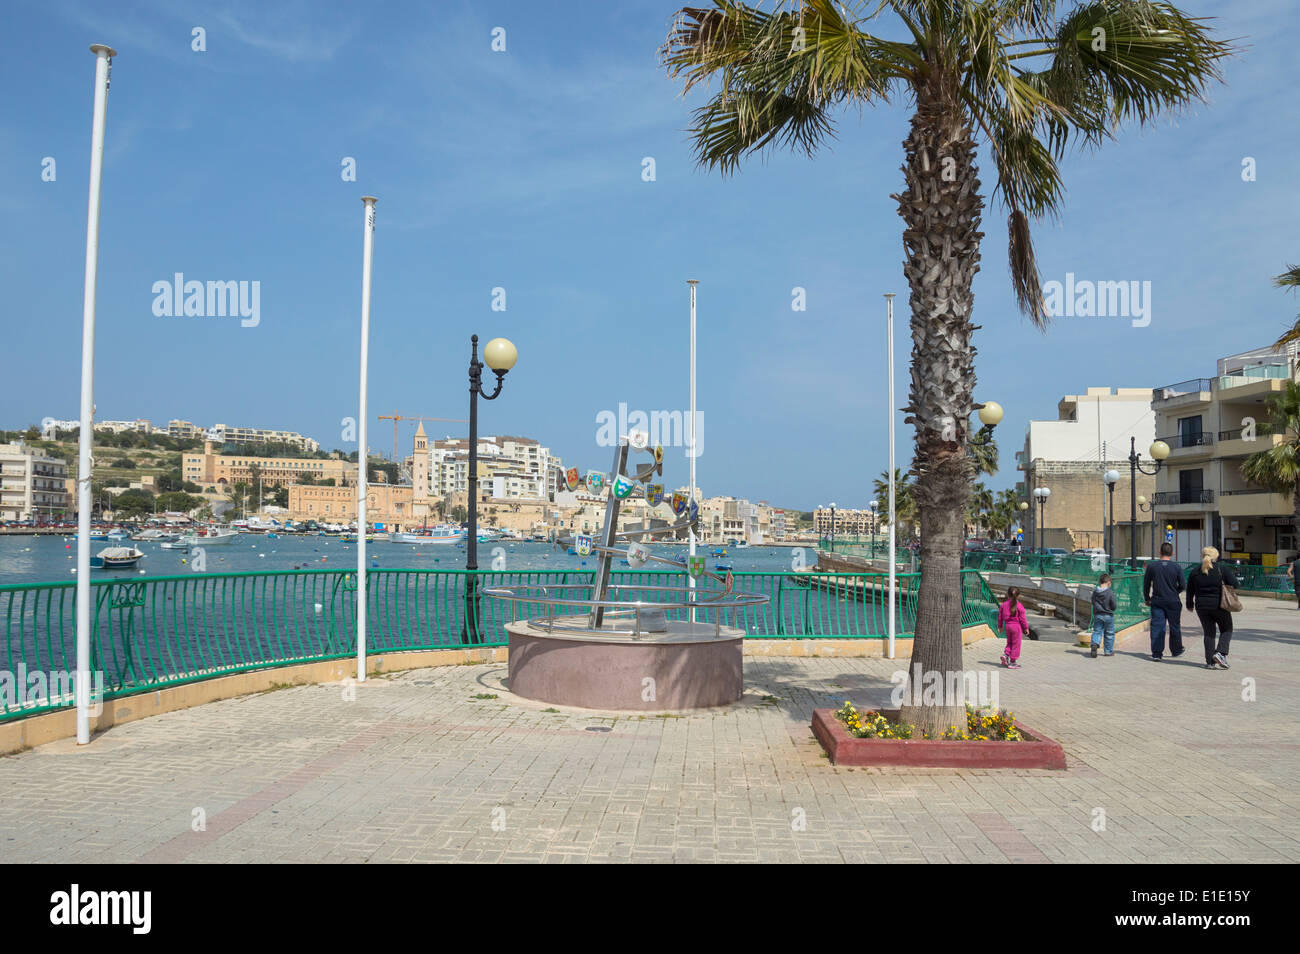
981,505
1027,78
1289,279
1278,467
904,501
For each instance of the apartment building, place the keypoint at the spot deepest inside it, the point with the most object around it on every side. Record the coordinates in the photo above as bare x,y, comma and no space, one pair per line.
210,469
1211,426
1092,434
32,485
847,521
224,434
508,467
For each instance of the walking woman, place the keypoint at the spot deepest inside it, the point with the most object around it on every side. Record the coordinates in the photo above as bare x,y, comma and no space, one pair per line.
1204,594
1013,622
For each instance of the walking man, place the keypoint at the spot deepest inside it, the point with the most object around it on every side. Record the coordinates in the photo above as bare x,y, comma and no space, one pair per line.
1162,585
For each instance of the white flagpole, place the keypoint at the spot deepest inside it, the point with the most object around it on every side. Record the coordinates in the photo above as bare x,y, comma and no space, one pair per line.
893,517
690,577
368,228
103,66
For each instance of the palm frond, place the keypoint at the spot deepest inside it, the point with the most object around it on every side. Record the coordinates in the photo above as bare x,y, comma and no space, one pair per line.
1289,279
780,74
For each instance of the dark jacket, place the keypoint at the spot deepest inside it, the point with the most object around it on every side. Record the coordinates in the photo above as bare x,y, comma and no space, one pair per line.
1162,583
1104,602
1204,590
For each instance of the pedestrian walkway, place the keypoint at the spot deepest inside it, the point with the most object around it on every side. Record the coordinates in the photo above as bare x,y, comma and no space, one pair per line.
1168,762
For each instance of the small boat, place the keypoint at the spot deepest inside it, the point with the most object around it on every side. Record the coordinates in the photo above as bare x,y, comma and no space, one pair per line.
430,535
116,535
116,558
98,538
174,545
209,538
153,535
724,567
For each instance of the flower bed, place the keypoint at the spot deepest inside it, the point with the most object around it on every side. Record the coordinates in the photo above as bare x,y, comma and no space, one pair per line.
989,740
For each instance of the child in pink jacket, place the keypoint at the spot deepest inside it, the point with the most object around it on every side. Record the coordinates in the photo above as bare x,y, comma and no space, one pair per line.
1012,622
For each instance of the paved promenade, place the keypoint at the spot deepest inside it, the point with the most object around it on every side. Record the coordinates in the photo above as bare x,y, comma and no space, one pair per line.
1167,759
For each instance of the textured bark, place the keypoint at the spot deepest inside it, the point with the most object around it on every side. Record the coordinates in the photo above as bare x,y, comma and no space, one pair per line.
941,207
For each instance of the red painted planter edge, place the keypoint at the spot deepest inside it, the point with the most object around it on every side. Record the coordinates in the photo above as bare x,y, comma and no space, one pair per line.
844,749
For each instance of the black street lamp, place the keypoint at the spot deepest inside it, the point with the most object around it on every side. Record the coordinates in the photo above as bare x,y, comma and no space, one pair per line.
874,506
500,355
1149,507
1111,478
1159,450
1042,493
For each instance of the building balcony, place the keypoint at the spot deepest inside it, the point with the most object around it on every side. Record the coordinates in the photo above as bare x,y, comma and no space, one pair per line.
1253,502
1191,499
1190,446
1183,394
1232,444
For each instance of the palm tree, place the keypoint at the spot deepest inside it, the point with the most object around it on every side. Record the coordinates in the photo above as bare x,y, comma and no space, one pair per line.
1030,81
1278,467
981,503
1289,279
983,451
904,501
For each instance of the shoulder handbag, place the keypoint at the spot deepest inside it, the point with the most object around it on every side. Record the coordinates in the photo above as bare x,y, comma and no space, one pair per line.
1228,599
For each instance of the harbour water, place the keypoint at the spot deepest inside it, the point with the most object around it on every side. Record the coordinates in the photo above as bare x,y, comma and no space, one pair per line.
51,559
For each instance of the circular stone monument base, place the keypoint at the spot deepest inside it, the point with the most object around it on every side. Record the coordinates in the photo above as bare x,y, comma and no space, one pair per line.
688,666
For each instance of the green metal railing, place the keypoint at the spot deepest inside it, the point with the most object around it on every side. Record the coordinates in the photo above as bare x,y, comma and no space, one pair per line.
152,632
1085,569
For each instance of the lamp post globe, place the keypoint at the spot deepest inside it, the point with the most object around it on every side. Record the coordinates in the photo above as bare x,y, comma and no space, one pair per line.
500,354
991,414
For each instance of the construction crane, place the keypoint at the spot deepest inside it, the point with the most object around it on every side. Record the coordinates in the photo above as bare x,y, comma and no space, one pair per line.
413,417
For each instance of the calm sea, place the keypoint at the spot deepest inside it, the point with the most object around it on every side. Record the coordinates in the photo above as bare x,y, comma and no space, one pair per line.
44,559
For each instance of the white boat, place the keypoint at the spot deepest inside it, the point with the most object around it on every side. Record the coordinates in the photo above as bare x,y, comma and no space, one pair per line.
174,545
209,538
154,535
440,534
117,534
116,558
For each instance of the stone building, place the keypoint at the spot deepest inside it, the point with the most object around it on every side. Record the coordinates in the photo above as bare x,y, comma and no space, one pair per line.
1070,456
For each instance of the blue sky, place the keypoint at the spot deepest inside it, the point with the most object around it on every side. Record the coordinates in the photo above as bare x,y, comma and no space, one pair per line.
523,170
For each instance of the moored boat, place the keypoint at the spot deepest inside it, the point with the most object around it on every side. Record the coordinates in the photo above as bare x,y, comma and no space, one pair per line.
211,537
116,558
440,534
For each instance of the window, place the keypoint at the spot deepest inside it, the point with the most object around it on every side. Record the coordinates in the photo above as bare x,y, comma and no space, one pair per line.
1189,431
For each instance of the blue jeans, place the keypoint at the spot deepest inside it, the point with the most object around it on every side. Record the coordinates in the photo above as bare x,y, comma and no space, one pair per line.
1173,616
1103,624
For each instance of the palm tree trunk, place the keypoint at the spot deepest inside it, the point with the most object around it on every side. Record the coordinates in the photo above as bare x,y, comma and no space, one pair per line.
941,208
